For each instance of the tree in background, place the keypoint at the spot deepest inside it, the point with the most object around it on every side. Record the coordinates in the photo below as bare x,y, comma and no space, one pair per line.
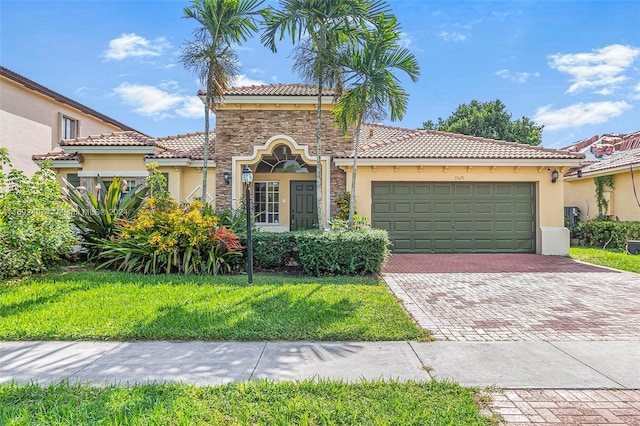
321,28
211,56
488,120
372,86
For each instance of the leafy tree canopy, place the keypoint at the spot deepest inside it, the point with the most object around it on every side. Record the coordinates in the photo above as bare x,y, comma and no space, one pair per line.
488,120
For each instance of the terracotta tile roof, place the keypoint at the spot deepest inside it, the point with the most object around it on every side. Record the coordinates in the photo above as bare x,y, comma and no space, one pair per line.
276,90
130,138
383,142
30,84
190,145
618,159
57,156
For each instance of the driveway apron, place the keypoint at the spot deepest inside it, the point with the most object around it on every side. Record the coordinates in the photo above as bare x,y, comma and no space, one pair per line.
516,297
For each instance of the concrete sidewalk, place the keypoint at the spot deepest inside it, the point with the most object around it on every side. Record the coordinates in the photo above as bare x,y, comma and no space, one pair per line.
515,365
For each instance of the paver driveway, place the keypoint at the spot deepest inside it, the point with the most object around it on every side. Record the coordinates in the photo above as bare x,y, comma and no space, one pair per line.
489,297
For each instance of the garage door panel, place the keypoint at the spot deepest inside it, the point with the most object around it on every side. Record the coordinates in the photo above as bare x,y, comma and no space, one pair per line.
462,208
402,207
422,208
441,208
483,208
487,217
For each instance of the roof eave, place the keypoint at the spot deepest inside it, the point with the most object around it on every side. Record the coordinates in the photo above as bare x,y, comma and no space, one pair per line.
109,149
565,162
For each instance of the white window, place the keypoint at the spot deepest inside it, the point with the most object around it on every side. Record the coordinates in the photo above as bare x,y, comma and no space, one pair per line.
266,202
69,128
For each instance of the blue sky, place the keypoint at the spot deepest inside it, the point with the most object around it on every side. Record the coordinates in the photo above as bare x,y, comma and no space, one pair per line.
573,66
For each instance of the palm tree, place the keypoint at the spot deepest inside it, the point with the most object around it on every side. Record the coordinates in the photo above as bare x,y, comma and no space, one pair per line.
372,87
323,27
211,55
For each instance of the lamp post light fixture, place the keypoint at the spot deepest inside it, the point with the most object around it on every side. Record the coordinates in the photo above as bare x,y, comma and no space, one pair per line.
247,178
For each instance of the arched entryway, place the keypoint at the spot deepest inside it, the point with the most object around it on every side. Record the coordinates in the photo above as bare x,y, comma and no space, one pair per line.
284,189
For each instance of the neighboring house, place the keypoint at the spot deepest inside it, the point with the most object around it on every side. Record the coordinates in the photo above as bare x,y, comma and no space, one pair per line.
617,155
33,119
433,191
126,155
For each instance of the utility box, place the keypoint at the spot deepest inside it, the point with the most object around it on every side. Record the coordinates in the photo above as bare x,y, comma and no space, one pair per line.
633,246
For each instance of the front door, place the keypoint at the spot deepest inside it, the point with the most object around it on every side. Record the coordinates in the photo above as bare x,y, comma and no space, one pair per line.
304,209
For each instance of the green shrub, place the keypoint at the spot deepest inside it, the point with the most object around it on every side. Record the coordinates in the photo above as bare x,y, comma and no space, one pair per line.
610,234
170,239
97,218
35,224
273,250
343,252
342,204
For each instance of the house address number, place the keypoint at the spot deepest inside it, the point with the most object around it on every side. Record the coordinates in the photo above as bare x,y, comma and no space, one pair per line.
459,177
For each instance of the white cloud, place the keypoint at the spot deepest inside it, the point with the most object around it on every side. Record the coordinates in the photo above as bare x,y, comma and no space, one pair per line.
133,45
636,94
518,77
243,80
191,107
149,101
452,36
579,114
404,40
600,68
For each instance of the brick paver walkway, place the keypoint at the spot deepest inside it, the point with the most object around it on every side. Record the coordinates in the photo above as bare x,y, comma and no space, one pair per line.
571,303
567,407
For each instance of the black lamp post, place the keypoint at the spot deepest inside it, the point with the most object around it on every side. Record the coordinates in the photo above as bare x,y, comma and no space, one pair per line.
247,178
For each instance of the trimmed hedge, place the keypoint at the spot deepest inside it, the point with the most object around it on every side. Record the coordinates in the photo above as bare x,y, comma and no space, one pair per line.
598,233
344,252
273,250
322,253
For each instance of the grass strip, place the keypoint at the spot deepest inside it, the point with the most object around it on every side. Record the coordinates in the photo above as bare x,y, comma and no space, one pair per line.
607,257
118,306
254,403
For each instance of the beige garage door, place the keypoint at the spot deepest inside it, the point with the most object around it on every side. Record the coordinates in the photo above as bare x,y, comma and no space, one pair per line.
444,217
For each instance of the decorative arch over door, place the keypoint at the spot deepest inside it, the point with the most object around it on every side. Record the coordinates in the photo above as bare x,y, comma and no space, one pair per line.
282,154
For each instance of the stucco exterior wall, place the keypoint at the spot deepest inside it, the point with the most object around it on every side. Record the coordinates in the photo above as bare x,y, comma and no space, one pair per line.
623,204
31,123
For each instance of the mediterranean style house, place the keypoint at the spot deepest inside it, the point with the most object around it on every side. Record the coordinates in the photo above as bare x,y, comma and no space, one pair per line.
433,191
33,119
616,155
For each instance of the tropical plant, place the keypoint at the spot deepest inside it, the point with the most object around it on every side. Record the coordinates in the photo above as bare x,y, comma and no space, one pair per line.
97,218
35,228
321,28
211,55
372,85
600,182
177,239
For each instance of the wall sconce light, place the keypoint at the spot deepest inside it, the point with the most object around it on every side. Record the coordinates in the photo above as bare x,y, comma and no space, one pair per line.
579,173
554,176
227,177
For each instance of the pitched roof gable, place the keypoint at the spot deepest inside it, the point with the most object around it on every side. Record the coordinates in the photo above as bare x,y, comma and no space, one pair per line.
622,159
129,138
382,142
190,145
276,90
32,85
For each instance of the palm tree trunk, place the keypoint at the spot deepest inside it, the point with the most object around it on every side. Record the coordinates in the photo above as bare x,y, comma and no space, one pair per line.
352,198
356,145
205,160
318,162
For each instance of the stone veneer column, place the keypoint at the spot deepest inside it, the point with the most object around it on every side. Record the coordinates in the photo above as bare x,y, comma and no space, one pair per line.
238,131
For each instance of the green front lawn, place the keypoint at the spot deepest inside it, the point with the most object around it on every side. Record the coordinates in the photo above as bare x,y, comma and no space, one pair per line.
252,403
610,258
119,306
